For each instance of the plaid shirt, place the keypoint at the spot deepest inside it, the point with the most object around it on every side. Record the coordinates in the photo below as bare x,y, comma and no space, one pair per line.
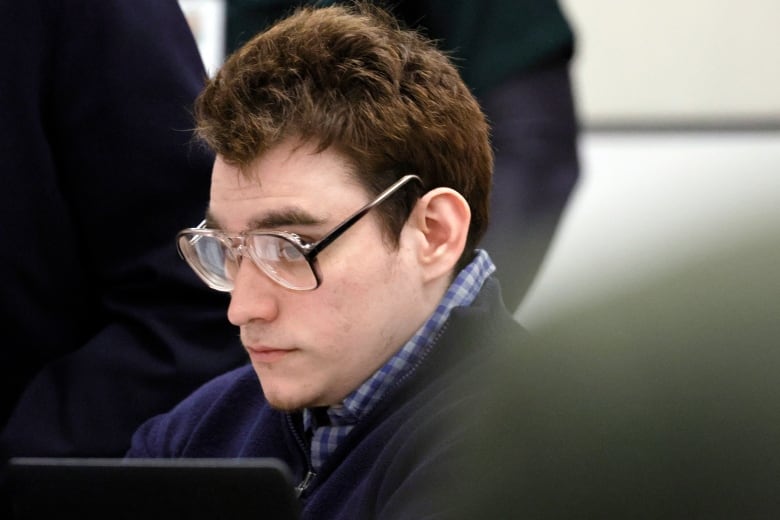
362,400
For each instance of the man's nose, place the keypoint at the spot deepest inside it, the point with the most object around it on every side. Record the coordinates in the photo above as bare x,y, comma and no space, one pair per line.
254,295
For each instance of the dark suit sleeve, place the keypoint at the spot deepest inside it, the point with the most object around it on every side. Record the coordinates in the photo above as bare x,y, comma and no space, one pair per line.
107,326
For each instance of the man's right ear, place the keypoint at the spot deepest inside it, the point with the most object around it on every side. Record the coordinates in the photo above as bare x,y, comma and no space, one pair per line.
442,217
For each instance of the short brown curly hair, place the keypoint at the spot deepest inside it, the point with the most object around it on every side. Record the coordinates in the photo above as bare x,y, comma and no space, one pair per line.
349,76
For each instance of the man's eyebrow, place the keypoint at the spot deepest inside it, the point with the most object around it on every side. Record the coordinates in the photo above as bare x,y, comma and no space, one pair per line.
283,218
273,220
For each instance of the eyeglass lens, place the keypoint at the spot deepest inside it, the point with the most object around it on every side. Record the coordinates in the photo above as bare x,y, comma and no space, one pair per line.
216,259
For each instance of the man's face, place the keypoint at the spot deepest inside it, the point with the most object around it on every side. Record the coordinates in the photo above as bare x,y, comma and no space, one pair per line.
313,348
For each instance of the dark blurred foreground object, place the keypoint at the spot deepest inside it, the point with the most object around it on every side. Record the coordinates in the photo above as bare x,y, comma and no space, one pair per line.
104,325
515,55
664,403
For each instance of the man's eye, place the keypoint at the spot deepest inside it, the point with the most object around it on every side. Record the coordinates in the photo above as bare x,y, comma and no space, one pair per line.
289,252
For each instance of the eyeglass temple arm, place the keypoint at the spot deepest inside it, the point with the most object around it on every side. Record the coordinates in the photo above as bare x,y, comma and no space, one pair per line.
333,235
192,240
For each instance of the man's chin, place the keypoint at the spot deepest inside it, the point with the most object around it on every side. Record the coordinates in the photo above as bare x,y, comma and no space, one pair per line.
283,406
285,403
279,395
292,401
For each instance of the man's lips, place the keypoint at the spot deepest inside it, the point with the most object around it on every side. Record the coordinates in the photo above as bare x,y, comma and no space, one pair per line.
263,354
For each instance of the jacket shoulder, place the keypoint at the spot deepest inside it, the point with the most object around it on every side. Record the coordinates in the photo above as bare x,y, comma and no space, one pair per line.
206,422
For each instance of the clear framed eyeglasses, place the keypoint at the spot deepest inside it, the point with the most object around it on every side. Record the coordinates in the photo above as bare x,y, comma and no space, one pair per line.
289,261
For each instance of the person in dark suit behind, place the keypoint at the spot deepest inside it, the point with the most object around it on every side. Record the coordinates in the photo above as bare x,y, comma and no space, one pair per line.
515,56
103,324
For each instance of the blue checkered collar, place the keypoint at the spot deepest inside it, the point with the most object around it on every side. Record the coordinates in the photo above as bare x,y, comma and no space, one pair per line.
361,401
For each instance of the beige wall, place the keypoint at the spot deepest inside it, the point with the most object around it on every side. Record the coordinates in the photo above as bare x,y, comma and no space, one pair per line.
677,60
648,202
